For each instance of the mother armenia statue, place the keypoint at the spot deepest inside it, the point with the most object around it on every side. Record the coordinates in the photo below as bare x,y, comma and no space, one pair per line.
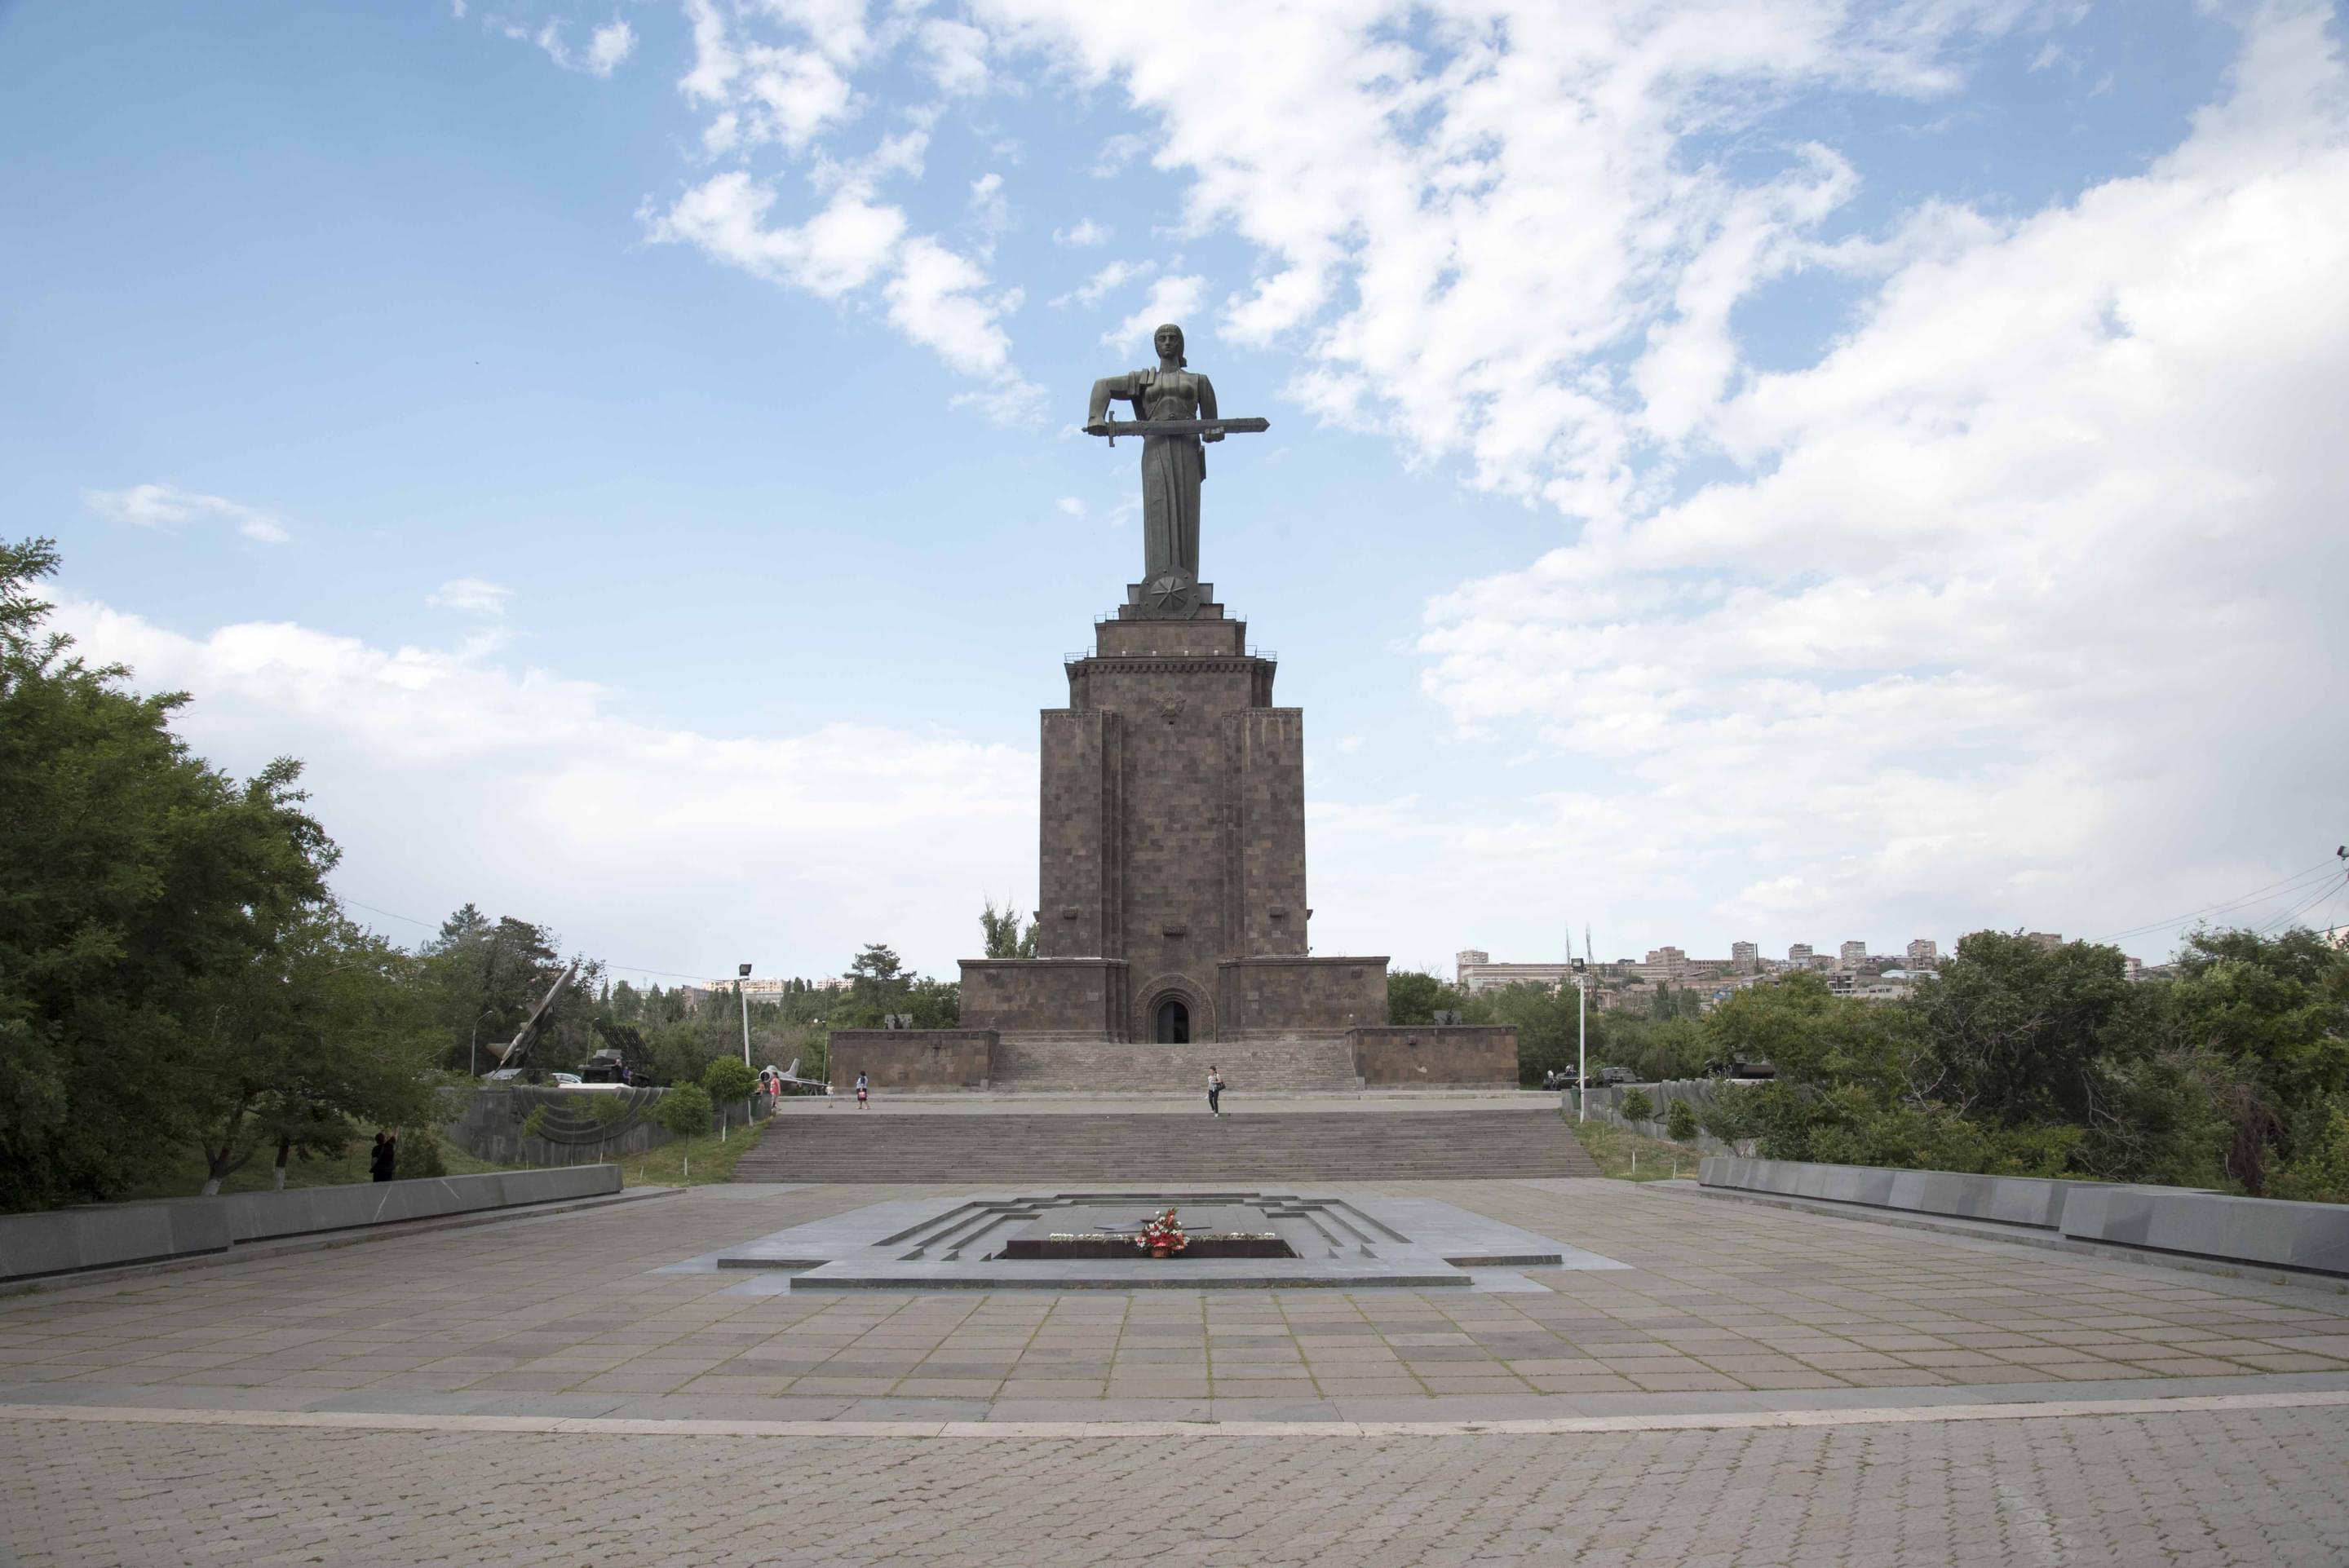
1175,412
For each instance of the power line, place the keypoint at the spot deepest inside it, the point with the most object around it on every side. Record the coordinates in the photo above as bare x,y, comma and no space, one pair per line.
2283,888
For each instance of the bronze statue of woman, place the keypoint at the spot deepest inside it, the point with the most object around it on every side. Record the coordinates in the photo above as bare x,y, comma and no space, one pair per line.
1173,467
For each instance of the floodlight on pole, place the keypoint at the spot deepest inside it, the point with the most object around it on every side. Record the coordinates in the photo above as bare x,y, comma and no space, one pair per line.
742,990
1581,1045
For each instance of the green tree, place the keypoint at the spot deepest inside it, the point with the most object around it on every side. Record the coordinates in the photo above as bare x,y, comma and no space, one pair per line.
1680,1121
1636,1106
131,874
877,984
2018,1031
1415,997
686,1109
727,1081
323,1028
1003,935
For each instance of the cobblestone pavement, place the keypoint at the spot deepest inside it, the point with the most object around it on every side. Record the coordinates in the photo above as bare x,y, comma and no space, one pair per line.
588,1313
2185,1489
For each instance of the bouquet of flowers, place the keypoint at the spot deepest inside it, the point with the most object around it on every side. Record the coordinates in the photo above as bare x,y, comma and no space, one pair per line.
1162,1235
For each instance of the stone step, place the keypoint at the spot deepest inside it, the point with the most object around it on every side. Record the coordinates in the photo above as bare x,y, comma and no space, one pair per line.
1288,1146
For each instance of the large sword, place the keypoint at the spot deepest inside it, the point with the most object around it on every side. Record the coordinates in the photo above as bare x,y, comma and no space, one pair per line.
1113,429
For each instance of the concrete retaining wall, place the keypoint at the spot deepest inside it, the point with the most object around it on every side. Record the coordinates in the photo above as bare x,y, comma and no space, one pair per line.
104,1235
1697,1092
2259,1231
2312,1236
109,1235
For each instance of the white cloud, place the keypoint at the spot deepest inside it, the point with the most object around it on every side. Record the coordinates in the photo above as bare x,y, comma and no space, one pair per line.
1171,299
934,300
609,46
989,205
447,775
846,244
471,593
1070,506
2030,589
954,56
166,506
1082,234
1348,744
1115,276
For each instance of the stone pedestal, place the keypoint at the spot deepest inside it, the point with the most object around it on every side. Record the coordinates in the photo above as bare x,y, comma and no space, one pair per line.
1172,898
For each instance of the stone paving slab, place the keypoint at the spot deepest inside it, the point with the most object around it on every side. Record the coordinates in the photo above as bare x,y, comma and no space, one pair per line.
1718,1301
2199,1488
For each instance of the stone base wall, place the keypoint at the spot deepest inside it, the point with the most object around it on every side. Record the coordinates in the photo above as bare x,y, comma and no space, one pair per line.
1264,997
912,1059
1433,1056
1074,998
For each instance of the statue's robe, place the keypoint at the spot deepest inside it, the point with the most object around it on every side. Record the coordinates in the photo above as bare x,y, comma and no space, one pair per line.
1173,467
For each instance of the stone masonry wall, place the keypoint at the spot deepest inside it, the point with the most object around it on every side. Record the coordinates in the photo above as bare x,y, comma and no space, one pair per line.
1433,1056
1081,901
1262,996
1265,814
913,1059
1073,997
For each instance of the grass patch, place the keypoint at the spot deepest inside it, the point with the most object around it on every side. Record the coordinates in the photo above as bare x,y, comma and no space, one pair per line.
1627,1156
703,1161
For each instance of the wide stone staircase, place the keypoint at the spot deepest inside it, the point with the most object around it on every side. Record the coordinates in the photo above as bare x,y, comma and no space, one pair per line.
1301,1066
1292,1146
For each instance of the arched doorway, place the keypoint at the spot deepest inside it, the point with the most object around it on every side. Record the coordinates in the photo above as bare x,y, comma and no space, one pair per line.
1173,1023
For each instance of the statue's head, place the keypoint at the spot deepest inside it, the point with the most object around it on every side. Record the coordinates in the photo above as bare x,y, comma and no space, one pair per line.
1169,342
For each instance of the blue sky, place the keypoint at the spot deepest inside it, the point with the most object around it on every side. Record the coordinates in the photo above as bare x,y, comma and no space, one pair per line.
1789,472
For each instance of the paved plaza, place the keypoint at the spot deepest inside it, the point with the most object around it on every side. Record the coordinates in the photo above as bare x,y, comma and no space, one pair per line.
522,1392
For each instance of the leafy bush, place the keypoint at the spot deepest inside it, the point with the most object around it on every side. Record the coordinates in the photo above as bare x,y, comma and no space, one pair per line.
1679,1120
607,1108
1730,1117
420,1153
1635,1105
727,1079
686,1110
534,1124
2320,1175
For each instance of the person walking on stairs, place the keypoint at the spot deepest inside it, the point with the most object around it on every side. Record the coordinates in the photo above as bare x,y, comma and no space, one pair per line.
1215,1090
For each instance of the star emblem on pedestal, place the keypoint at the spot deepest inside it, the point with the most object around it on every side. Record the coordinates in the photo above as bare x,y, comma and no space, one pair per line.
1171,596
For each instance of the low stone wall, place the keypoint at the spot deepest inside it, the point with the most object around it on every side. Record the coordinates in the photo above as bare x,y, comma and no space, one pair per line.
2264,1231
912,1059
109,1235
1435,1056
106,1235
2009,1200
2313,1236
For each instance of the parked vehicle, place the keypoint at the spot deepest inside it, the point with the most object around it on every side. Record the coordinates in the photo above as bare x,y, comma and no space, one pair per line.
1615,1077
1738,1067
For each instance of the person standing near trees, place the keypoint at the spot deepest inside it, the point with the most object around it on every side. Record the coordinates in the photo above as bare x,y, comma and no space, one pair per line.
386,1157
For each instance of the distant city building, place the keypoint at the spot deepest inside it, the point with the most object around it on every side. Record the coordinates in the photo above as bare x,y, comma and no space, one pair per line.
1800,955
2049,940
1663,964
1924,953
1473,970
2131,968
1745,955
1853,955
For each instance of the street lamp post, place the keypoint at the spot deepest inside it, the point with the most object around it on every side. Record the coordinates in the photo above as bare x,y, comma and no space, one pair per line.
742,990
1581,1045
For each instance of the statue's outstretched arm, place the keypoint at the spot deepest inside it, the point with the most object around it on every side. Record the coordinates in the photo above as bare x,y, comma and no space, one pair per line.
1107,388
1207,407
